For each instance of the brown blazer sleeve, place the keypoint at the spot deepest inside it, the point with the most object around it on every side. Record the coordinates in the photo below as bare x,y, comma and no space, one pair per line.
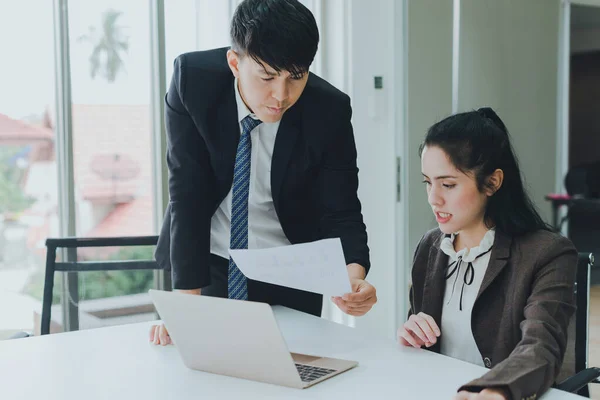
536,361
411,291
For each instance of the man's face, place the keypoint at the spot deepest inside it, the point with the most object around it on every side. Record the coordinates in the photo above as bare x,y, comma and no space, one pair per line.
267,93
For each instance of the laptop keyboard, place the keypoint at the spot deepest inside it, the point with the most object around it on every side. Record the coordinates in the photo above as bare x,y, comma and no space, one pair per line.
309,373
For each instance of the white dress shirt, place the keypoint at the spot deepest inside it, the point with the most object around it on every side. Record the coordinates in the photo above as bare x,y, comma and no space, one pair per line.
264,229
457,339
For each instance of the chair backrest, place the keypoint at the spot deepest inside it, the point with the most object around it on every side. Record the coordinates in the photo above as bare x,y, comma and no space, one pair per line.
582,296
80,266
584,180
576,354
584,228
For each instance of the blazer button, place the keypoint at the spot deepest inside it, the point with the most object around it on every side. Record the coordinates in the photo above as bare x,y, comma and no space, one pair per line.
487,362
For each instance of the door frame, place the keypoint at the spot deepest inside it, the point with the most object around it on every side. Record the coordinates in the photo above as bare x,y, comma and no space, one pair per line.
564,73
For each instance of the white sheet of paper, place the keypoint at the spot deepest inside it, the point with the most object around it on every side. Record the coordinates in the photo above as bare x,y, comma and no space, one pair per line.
317,267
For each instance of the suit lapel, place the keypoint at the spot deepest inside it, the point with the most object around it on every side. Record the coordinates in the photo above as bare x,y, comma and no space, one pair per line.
229,134
498,260
287,135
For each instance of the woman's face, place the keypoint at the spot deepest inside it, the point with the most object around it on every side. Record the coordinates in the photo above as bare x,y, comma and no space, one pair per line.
453,195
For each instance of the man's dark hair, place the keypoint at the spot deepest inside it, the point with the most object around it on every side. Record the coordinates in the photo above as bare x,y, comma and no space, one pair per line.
280,33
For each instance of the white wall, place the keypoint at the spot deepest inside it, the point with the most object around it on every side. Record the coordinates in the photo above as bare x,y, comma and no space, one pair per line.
429,100
334,47
212,23
371,54
509,61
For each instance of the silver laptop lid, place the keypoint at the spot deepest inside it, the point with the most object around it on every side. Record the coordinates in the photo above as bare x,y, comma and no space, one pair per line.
227,337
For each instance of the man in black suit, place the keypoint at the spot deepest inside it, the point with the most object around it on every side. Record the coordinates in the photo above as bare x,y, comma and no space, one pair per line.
261,153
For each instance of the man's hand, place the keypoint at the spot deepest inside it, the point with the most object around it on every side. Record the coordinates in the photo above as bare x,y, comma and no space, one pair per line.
158,333
363,296
485,394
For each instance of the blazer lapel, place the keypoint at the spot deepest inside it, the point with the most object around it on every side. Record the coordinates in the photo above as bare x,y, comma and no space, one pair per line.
228,135
435,282
287,135
498,260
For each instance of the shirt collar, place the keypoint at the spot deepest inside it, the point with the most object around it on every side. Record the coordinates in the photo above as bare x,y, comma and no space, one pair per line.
468,255
242,110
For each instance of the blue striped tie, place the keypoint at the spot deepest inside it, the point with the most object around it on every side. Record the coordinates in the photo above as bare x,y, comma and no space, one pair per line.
237,287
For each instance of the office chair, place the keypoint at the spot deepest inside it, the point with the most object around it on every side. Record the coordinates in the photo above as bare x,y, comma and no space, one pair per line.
575,363
84,266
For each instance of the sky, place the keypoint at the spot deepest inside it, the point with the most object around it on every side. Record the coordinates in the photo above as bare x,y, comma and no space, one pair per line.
27,52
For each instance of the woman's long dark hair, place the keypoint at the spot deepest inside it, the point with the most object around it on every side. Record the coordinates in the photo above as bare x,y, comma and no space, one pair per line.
478,142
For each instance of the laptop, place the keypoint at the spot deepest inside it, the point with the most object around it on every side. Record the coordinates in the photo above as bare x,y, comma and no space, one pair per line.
239,339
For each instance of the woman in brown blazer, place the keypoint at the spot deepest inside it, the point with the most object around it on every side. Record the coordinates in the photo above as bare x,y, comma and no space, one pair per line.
493,285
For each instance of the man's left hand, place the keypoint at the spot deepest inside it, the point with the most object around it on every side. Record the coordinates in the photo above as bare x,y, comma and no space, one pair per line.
363,296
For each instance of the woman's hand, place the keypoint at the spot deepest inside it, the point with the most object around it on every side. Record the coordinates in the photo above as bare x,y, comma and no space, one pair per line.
419,330
485,394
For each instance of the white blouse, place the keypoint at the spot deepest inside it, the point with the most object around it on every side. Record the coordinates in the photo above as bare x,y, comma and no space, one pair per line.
466,269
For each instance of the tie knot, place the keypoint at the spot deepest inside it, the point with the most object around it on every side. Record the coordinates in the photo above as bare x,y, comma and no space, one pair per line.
250,123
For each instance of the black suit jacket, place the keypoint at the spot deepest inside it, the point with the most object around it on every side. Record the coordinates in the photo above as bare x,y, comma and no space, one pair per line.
314,177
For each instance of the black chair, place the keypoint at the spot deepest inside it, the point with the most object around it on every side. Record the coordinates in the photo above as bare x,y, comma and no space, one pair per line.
53,266
584,229
583,185
575,364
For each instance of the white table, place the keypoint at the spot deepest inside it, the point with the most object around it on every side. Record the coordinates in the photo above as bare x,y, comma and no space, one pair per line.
117,363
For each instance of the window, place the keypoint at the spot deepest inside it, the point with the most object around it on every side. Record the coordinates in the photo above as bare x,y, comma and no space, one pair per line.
112,153
28,181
